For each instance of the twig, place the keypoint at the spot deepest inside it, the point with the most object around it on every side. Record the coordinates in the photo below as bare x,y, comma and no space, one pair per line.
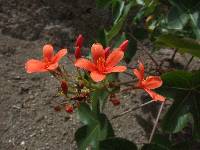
132,109
174,54
126,82
187,65
127,73
145,50
156,123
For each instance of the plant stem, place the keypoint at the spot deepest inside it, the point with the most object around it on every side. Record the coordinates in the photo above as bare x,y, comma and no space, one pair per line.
146,51
156,123
132,109
173,56
187,65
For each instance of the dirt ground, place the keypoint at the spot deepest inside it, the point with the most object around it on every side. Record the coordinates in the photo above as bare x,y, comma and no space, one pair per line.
27,118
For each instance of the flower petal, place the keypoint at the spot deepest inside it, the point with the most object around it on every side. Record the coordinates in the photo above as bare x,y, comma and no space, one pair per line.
114,58
152,82
116,69
53,66
33,65
97,52
138,74
155,96
85,64
59,55
141,68
48,52
96,76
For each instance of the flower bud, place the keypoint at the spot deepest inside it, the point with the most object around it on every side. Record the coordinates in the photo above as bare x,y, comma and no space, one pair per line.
69,108
64,87
57,108
79,41
124,45
107,51
77,52
115,102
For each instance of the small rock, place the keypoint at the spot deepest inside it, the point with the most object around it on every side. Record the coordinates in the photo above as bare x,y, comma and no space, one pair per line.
22,143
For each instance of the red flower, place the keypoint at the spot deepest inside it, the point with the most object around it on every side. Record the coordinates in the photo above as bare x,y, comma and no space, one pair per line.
101,65
151,82
49,61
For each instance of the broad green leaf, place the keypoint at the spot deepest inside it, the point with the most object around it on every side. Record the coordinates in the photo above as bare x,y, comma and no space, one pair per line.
87,135
85,114
118,7
159,142
96,127
194,17
106,127
119,24
117,144
184,88
131,49
183,45
102,37
177,19
191,10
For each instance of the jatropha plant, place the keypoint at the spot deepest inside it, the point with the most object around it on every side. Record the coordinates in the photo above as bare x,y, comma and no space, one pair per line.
96,82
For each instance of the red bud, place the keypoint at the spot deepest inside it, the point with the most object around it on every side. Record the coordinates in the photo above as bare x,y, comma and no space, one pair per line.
124,45
79,41
77,52
64,87
57,108
107,51
69,108
115,102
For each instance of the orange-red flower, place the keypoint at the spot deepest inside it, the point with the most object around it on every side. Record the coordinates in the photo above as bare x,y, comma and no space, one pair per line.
101,65
49,61
149,83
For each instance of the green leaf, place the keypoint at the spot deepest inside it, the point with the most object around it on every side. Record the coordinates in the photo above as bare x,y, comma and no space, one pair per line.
119,24
117,144
98,99
97,127
102,37
177,19
191,9
159,142
183,45
184,88
118,7
86,136
131,49
85,114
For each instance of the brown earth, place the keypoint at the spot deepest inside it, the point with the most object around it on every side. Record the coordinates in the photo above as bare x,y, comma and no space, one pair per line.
27,118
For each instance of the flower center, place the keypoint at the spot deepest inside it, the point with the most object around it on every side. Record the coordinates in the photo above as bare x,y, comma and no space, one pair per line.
101,64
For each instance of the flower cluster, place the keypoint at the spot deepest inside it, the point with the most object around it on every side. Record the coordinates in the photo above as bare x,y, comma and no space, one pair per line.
102,62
